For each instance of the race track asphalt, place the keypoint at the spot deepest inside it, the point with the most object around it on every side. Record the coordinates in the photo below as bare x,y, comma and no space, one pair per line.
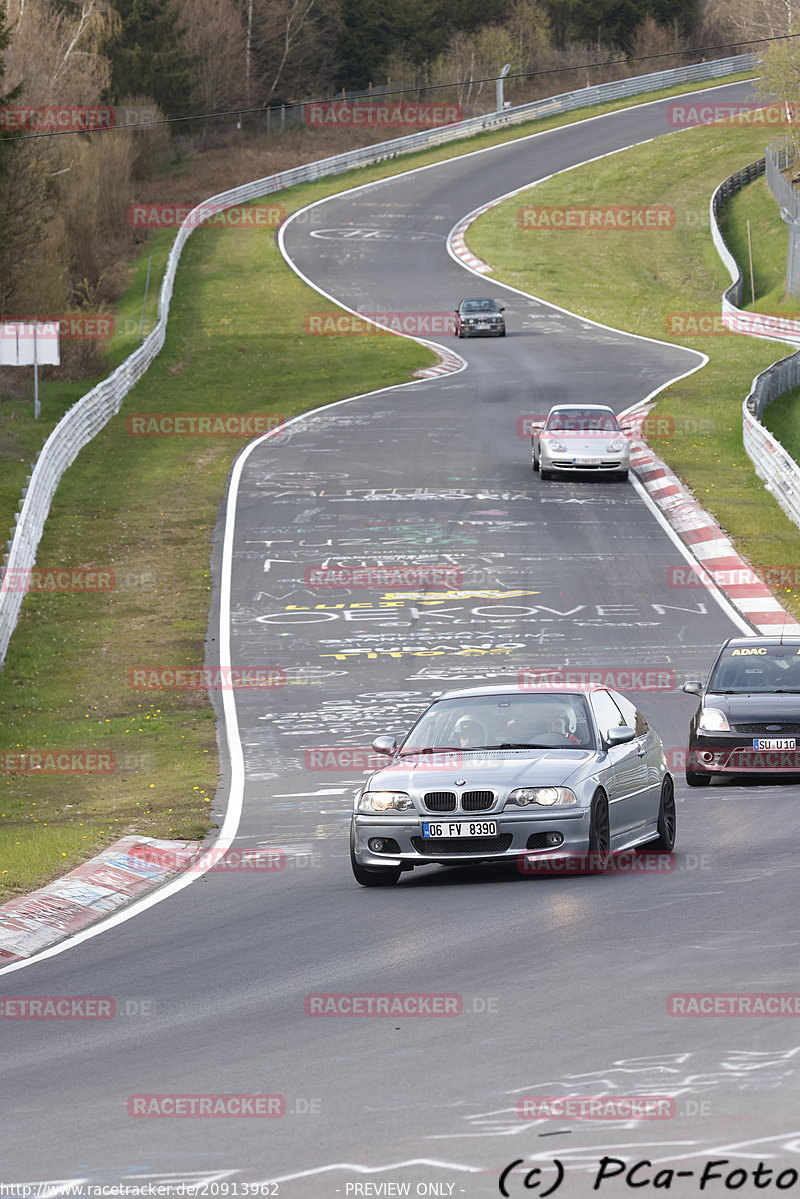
564,981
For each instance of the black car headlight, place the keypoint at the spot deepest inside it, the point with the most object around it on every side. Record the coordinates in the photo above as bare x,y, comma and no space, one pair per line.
712,720
547,797
384,801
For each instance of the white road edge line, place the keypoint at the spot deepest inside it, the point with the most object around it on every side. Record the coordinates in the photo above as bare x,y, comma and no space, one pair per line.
233,812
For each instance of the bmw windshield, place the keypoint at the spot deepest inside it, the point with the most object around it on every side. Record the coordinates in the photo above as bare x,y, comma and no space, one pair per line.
542,721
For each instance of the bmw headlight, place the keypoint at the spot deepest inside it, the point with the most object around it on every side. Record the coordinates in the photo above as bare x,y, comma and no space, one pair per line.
713,721
616,446
384,801
556,447
548,797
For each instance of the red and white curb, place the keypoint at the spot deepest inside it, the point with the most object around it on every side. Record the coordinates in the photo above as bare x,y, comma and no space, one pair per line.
449,362
459,246
719,565
123,872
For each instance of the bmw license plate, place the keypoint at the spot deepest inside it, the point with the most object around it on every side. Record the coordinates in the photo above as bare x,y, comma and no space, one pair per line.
774,743
459,828
482,325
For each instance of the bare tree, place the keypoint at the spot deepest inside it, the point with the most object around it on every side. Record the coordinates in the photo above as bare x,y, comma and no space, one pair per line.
57,57
65,198
750,19
529,27
215,34
651,38
292,44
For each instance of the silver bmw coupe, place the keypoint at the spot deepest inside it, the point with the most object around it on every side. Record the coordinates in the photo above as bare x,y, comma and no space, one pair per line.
496,773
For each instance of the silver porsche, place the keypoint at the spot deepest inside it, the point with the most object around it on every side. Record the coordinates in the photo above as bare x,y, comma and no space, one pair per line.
580,437
495,773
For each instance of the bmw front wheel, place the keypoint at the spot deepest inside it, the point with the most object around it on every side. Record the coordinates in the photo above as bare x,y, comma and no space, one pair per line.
599,835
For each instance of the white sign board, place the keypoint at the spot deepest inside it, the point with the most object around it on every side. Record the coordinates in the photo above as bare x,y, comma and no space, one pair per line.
29,343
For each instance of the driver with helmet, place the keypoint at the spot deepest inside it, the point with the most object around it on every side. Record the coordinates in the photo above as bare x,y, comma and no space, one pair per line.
548,718
469,733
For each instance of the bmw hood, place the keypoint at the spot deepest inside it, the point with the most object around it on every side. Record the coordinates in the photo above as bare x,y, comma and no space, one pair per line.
481,770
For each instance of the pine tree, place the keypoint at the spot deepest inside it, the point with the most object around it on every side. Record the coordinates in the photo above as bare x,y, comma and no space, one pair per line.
366,41
613,22
147,56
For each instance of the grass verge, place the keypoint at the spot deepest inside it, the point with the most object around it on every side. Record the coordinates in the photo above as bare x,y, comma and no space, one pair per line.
149,519
655,282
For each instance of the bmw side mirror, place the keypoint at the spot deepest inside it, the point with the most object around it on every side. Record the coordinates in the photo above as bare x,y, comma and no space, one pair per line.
501,307
619,736
693,687
385,745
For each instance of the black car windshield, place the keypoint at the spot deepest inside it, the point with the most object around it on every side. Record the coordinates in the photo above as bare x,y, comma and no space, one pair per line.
479,306
583,422
768,668
545,720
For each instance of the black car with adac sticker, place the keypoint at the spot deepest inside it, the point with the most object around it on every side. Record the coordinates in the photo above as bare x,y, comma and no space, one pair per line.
748,720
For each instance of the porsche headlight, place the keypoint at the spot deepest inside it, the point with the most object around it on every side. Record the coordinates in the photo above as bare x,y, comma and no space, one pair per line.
713,721
384,801
548,797
556,446
616,446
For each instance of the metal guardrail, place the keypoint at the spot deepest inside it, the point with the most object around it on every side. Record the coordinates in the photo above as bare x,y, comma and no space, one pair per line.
774,466
777,470
90,413
779,156
757,324
734,183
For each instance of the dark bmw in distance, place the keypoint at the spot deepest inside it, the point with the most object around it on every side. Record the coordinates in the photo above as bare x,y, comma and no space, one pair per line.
748,718
480,318
497,773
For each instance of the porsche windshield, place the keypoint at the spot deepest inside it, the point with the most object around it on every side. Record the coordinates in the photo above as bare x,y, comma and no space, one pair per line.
745,668
547,721
582,422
